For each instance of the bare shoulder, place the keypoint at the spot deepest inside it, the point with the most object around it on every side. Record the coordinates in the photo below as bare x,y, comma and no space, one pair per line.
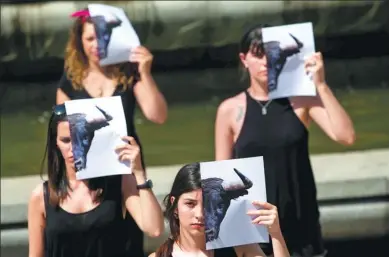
152,255
36,197
37,193
229,104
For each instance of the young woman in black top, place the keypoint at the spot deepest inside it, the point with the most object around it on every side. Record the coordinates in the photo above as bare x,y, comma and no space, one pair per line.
84,78
249,124
184,211
70,217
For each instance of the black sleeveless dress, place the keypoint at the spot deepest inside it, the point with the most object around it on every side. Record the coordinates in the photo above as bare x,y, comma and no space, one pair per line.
282,139
135,237
96,233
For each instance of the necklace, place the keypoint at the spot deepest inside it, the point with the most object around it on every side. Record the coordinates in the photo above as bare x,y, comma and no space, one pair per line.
264,107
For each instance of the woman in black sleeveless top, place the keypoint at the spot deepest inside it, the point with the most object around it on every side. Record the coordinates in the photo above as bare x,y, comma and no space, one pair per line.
69,217
85,78
184,211
249,125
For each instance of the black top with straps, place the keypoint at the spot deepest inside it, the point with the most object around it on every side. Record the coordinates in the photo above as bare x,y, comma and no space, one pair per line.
96,233
282,139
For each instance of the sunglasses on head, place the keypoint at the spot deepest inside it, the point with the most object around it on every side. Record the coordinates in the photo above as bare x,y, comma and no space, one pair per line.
59,110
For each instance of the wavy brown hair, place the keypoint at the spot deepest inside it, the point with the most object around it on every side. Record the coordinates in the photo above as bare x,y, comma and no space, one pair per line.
76,61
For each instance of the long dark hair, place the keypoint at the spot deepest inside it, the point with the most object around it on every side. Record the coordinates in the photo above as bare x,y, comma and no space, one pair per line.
187,179
55,165
252,41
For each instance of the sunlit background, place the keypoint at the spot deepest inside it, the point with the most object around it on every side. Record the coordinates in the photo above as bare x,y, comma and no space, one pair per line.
196,66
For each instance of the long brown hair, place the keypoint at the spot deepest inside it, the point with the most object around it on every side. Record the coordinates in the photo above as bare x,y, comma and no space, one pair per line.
187,179
76,61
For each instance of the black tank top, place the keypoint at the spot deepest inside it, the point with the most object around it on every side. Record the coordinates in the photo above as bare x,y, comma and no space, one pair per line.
282,139
96,233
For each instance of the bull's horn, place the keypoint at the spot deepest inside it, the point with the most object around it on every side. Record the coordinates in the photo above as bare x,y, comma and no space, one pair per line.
112,17
247,183
298,42
106,115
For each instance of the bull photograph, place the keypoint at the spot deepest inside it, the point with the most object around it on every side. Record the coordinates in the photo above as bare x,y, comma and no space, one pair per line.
104,27
114,32
285,48
96,126
229,187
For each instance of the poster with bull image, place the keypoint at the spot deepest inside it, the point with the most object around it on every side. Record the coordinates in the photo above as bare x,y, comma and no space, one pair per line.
115,34
286,48
96,127
229,187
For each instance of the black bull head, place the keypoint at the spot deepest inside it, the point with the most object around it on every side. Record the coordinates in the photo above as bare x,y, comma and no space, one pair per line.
82,133
276,59
217,195
103,30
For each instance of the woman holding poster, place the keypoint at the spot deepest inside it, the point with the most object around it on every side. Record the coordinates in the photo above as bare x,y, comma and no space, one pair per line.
250,124
184,209
84,77
71,217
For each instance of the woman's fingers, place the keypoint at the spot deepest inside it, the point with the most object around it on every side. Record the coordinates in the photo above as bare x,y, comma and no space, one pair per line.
125,147
259,212
132,144
264,205
127,153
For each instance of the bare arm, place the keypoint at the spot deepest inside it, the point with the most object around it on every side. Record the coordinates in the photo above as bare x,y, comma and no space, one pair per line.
327,112
251,250
142,205
150,99
279,246
36,223
223,133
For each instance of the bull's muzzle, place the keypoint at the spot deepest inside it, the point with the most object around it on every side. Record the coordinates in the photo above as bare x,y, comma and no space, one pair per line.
79,164
211,234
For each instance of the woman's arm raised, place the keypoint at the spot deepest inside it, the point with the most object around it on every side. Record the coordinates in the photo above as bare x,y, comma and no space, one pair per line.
140,203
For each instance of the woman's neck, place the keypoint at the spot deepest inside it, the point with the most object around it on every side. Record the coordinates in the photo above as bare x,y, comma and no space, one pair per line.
70,171
258,90
191,244
95,67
